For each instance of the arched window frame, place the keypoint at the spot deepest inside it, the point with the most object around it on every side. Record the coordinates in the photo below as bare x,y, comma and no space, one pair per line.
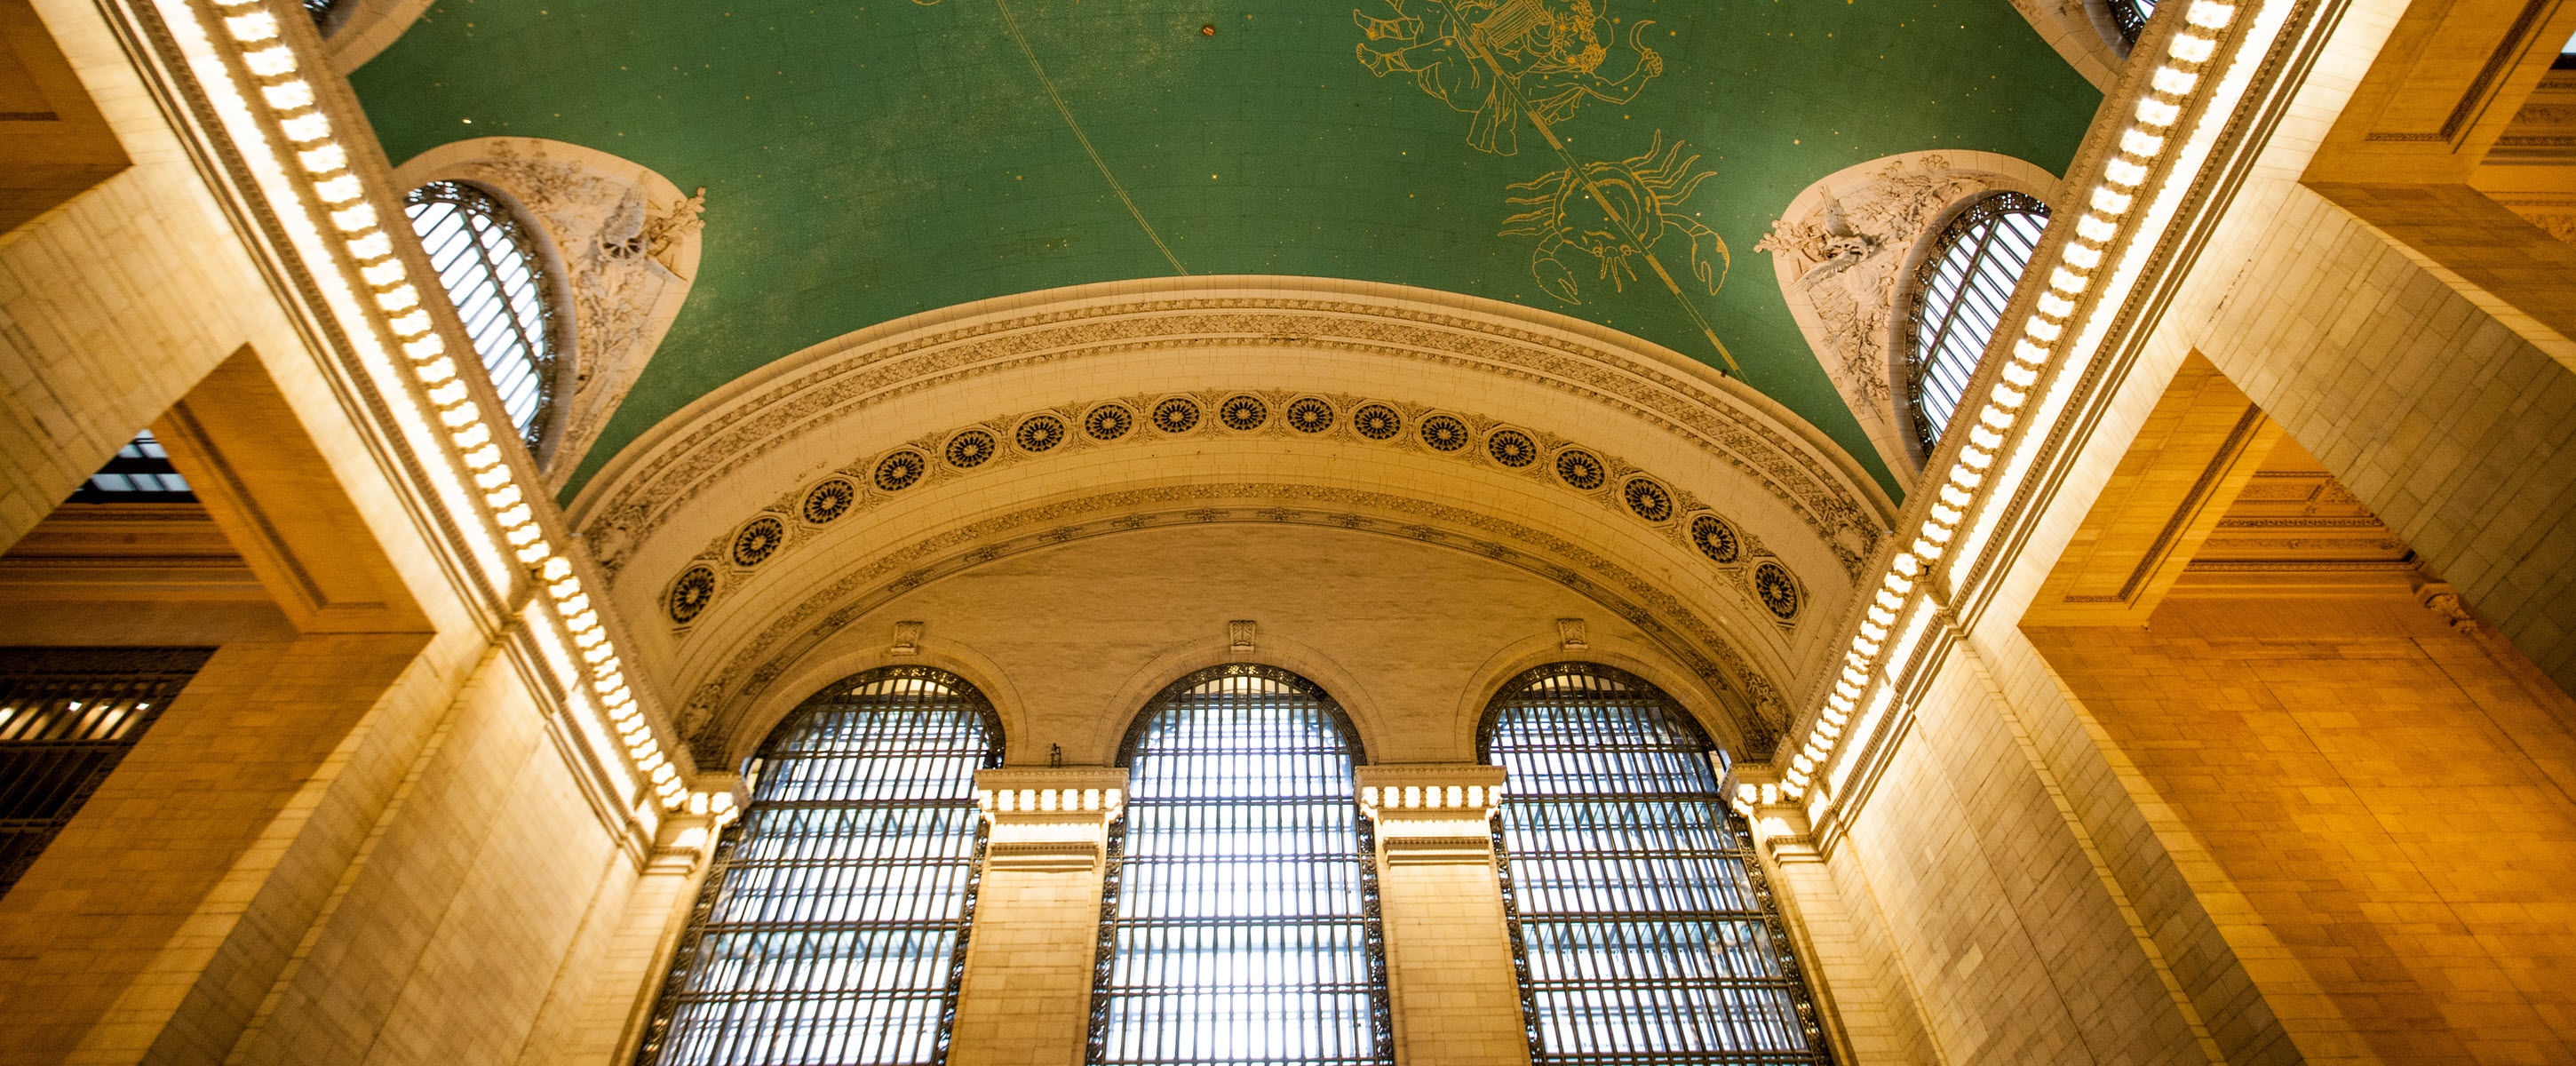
726,860
553,328
2120,21
1737,846
1910,370
1381,1004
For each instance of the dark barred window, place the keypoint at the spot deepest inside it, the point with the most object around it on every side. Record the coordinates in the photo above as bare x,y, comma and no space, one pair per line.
832,929
489,265
67,717
1959,297
140,472
1641,919
1239,922
2131,16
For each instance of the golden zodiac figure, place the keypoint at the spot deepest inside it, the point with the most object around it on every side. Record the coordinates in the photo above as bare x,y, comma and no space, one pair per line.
1505,60
1612,211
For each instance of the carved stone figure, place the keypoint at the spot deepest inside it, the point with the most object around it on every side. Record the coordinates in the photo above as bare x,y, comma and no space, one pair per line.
1840,251
627,243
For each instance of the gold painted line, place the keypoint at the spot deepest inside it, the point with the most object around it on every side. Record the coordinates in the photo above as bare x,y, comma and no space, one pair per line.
1476,44
1048,84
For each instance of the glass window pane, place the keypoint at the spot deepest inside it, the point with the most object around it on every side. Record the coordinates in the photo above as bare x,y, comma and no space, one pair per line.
834,923
487,262
1635,897
1240,919
1960,296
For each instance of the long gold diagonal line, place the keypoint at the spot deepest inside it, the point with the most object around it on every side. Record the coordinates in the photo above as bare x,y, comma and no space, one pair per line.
1013,25
1575,167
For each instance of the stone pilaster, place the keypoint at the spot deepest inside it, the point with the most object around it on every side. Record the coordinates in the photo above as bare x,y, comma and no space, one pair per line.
1449,953
1027,993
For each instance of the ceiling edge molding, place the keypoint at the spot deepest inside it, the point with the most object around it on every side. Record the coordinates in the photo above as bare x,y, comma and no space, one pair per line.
680,459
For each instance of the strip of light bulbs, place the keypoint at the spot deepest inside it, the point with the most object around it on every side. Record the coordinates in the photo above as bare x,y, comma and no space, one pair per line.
325,166
2069,280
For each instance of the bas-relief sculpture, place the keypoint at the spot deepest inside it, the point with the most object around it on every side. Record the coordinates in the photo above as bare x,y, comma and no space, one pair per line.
1842,250
626,243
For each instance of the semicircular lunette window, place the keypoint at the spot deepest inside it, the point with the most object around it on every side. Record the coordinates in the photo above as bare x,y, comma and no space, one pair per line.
488,264
832,926
1960,293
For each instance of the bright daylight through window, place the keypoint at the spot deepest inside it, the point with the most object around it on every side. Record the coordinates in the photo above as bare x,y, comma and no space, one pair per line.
833,926
1241,919
1648,933
1960,295
488,264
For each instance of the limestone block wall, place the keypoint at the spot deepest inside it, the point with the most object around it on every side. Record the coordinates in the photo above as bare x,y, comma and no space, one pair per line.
1996,920
363,846
2384,798
1027,994
452,930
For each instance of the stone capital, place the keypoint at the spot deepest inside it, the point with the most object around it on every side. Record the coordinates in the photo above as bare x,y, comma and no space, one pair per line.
1049,820
1432,812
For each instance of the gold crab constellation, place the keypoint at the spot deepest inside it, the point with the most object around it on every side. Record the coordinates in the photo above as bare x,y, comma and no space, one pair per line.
1512,61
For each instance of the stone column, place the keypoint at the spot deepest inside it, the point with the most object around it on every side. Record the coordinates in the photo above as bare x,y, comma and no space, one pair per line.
1449,953
1027,992
1854,1011
614,1003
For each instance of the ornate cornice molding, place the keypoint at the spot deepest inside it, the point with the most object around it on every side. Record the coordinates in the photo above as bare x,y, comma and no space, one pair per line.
799,396
1068,433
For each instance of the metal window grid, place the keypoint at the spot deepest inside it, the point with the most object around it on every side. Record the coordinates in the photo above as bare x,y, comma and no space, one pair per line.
67,717
139,472
1239,922
1642,928
1960,293
2131,16
488,263
833,926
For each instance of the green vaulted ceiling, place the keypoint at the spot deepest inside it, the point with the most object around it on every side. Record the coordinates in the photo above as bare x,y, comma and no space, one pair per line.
865,161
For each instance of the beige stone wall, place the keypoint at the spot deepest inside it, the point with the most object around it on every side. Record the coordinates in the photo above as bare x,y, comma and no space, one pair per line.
1027,994
2384,799
368,846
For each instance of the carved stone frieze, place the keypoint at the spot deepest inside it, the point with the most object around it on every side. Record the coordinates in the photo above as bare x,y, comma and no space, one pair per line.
1841,249
1675,515
626,244
820,388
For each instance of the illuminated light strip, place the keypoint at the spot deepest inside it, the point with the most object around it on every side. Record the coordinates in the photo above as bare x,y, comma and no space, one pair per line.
392,304
1980,464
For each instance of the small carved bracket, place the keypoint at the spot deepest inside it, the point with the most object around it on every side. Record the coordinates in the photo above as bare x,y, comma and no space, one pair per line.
1569,633
2444,600
1239,634
907,638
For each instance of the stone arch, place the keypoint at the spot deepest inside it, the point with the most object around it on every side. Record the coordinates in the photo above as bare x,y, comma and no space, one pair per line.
753,457
1691,692
1845,251
1346,688
848,659
621,250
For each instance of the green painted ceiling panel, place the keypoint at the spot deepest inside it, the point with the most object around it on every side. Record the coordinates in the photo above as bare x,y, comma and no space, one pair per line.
868,161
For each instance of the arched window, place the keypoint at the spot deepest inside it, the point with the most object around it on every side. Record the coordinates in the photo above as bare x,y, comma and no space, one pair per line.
489,265
832,929
1960,293
1239,922
1637,907
2130,16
